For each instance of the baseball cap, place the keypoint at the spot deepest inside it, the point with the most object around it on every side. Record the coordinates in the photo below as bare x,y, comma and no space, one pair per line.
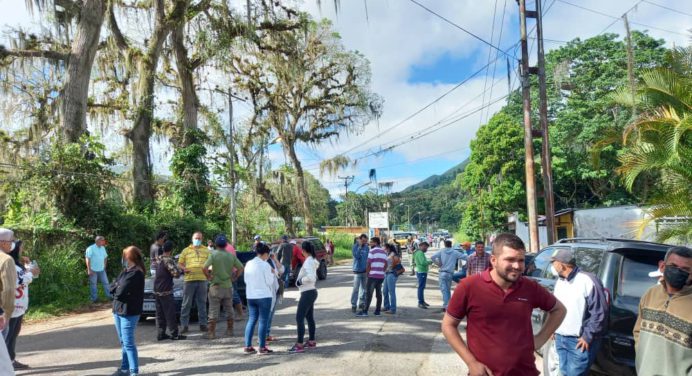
257,237
6,234
564,256
221,241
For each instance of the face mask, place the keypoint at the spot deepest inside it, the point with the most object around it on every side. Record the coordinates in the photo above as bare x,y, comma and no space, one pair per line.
196,242
124,262
14,244
553,271
675,277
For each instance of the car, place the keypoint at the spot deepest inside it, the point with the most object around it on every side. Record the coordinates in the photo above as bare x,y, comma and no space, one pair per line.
623,268
320,252
401,238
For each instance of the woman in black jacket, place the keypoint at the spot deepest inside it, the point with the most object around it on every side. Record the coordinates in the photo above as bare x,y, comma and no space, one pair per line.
128,297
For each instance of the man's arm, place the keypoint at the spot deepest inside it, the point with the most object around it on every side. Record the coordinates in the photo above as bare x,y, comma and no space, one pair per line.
8,275
552,322
597,307
88,265
450,329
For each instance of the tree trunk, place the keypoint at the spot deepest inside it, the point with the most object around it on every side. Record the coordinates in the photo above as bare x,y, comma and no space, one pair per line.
303,196
187,86
81,60
283,210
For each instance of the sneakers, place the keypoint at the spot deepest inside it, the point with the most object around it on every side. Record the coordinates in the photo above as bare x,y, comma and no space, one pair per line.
185,330
178,337
390,312
203,328
362,314
422,306
426,304
264,351
310,345
17,365
271,339
377,313
353,309
162,337
249,350
296,349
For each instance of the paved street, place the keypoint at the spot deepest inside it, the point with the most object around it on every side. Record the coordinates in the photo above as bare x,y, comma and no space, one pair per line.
408,343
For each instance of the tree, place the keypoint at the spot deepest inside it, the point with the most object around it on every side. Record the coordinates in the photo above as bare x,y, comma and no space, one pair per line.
306,89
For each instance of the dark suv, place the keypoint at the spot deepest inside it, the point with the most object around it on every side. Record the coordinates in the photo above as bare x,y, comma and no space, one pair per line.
623,266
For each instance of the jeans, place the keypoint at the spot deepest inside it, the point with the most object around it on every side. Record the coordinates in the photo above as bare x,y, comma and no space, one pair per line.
375,285
93,289
194,291
219,296
258,310
390,292
422,279
236,295
306,310
275,302
445,287
358,294
574,362
287,274
14,327
458,276
165,315
125,326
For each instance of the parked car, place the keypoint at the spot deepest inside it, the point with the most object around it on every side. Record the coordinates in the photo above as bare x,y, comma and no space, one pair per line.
401,238
320,252
623,268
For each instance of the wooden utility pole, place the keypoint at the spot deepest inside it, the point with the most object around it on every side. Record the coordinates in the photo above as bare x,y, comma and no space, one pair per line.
546,161
347,181
630,65
528,131
231,151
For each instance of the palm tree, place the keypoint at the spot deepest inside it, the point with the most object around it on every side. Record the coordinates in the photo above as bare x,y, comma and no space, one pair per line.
659,142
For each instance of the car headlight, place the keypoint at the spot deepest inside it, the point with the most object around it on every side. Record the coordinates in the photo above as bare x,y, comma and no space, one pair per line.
178,293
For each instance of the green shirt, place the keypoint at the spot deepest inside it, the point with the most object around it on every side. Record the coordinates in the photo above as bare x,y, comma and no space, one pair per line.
222,264
421,261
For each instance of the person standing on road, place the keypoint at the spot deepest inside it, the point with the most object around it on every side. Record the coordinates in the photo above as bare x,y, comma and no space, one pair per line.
258,241
163,291
25,274
578,338
191,262
422,265
8,278
360,253
96,261
128,298
285,256
219,270
446,259
306,279
260,286
155,251
376,265
278,270
479,261
498,304
390,278
237,302
330,252
663,331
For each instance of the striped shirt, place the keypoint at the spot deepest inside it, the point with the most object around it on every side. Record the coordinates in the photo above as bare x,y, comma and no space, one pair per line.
377,259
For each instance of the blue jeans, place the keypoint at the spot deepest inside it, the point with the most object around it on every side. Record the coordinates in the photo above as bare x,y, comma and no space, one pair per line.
271,316
445,287
574,362
287,275
236,295
125,326
259,310
390,292
422,279
93,289
194,291
358,294
458,276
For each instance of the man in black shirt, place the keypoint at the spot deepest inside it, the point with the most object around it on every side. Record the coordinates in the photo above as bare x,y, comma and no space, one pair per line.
284,255
167,269
156,250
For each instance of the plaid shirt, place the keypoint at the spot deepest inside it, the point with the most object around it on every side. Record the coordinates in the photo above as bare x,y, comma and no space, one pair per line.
477,264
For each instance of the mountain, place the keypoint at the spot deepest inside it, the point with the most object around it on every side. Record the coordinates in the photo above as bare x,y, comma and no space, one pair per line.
438,180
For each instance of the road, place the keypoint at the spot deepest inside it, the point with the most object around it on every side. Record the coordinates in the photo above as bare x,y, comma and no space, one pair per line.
408,343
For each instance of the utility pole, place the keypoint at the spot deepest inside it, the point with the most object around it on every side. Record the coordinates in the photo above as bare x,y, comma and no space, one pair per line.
347,181
528,131
630,65
231,151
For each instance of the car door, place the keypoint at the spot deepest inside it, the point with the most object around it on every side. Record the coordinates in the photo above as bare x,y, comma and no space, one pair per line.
539,270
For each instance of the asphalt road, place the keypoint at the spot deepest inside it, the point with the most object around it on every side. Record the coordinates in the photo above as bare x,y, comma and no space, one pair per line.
408,343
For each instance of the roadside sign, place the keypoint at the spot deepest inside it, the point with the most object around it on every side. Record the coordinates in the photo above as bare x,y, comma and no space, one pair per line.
378,220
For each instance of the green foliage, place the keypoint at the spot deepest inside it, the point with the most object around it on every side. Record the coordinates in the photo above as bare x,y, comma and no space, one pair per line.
190,173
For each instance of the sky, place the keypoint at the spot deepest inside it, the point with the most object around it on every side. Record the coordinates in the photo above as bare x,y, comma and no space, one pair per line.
417,57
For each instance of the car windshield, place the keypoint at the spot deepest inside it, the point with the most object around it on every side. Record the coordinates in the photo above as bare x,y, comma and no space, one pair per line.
634,277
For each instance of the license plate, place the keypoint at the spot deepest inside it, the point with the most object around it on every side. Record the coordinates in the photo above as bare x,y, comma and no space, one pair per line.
149,306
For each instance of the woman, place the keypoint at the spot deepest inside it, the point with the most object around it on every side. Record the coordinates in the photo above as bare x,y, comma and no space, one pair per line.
128,296
330,252
278,270
390,278
24,277
308,294
260,287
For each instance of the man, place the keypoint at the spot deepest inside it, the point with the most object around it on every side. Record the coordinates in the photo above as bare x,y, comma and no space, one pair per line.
163,290
285,255
360,253
375,267
466,246
479,261
498,304
446,259
662,334
191,262
155,251
578,338
422,265
96,261
219,270
258,240
8,288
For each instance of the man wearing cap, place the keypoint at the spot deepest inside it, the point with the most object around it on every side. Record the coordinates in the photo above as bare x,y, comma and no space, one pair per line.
8,288
360,252
578,338
191,262
96,261
219,270
285,255
258,239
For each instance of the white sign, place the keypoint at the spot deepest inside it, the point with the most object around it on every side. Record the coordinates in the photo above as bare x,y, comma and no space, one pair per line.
378,220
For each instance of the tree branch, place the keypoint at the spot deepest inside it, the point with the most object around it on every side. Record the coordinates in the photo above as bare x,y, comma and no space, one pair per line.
47,54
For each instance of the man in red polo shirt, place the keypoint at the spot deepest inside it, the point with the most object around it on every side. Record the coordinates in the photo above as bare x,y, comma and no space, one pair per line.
498,304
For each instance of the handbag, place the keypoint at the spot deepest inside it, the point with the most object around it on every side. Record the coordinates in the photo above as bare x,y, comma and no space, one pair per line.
398,269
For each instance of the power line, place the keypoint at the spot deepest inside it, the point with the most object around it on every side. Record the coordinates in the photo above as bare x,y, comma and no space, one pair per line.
490,52
499,40
668,8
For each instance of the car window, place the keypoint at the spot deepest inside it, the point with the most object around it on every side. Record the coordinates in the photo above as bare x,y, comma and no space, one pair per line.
318,244
540,264
634,277
589,259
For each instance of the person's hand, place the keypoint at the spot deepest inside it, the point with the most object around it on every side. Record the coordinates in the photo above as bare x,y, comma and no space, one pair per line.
90,273
538,342
582,345
36,271
479,369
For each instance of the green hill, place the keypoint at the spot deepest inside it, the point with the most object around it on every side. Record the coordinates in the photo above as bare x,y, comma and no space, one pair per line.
438,180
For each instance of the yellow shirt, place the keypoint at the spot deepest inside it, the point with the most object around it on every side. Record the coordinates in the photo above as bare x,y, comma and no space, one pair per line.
194,258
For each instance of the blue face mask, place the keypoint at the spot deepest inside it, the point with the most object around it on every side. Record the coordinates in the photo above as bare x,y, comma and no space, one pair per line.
196,242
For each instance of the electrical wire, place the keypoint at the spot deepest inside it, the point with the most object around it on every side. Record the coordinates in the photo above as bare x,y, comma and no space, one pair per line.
668,8
490,54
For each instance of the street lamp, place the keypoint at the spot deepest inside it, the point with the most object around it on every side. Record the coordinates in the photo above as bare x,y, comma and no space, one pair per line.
408,215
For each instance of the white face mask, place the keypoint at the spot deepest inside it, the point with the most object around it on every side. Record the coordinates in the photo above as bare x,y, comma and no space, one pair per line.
554,271
14,244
